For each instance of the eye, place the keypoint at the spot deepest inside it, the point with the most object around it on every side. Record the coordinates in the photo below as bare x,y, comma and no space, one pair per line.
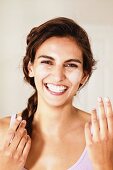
46,62
71,65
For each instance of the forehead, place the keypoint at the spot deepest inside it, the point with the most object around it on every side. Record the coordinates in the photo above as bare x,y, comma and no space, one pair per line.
60,46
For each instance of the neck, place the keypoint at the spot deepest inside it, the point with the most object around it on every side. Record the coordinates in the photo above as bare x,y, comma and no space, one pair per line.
53,120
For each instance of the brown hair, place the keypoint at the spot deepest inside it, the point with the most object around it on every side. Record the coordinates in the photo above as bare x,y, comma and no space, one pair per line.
61,27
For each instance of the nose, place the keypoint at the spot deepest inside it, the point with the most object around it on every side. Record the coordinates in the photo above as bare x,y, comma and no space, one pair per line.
58,73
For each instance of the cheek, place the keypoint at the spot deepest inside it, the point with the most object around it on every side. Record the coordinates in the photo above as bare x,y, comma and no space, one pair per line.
41,72
75,78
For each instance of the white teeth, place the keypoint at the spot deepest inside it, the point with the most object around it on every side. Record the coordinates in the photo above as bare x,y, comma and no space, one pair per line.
55,88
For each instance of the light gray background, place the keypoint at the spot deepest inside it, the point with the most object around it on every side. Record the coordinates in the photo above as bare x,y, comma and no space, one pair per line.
17,17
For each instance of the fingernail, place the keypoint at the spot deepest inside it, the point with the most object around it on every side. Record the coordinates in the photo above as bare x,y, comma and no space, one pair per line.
23,122
99,99
25,131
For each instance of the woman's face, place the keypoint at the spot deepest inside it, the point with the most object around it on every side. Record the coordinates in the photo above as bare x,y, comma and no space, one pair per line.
57,70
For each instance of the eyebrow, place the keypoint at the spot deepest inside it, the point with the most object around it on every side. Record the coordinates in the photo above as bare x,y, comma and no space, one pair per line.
47,57
73,60
51,58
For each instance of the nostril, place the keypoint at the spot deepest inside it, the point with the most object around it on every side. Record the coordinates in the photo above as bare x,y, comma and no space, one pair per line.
58,73
59,76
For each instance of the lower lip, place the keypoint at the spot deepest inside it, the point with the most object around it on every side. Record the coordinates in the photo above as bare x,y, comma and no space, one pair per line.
56,93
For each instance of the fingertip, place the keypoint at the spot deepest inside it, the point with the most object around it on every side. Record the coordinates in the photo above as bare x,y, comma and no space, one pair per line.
107,101
99,99
24,121
19,118
28,138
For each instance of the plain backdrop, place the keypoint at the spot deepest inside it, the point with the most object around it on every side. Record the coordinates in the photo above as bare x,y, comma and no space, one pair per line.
17,17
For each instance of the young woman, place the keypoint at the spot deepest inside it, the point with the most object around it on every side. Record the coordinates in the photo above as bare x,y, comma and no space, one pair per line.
52,134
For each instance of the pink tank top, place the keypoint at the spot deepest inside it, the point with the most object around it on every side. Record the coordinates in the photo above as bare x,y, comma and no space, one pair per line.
83,162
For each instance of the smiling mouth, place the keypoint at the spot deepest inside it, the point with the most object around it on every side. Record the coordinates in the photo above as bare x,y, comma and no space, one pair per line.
56,89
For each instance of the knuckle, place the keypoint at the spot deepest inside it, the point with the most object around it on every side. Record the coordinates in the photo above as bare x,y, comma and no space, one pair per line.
90,145
28,139
25,137
96,139
19,133
104,138
110,116
25,132
103,117
16,157
22,160
95,121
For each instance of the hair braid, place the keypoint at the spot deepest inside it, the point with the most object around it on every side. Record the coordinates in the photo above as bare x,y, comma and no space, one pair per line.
28,113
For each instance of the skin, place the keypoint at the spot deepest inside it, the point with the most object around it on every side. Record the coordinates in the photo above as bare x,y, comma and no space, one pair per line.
57,70
15,147
56,124
100,143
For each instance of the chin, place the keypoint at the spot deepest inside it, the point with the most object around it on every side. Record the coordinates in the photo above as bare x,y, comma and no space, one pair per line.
58,103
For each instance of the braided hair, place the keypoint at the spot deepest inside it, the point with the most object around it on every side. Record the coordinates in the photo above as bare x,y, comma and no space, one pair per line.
58,27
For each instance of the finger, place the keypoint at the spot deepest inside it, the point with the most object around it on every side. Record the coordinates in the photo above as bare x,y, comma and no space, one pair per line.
102,119
21,145
88,135
18,135
11,131
95,126
26,148
16,123
109,114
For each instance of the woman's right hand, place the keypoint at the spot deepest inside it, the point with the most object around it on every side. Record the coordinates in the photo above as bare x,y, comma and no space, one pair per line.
15,150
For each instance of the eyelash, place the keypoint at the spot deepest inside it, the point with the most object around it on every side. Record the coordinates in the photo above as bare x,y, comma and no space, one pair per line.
72,65
46,62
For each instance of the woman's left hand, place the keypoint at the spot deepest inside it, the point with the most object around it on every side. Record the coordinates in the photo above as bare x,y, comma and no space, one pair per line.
99,142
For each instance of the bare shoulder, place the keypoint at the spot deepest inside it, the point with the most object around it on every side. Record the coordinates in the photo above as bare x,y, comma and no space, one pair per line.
4,125
83,116
80,118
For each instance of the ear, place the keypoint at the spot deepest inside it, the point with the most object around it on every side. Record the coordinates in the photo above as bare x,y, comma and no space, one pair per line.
84,78
30,69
